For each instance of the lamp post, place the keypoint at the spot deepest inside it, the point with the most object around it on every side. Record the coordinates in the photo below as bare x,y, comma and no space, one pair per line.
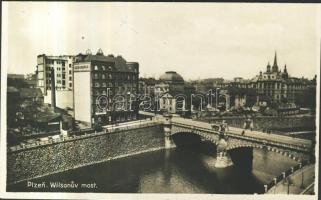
302,185
216,96
128,93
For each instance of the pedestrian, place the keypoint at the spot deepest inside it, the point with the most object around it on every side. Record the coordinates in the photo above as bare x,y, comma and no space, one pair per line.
244,125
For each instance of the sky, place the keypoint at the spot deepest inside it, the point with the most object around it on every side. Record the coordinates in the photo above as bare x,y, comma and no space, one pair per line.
198,40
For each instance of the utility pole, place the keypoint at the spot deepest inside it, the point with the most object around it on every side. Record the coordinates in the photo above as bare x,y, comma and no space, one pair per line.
216,96
302,185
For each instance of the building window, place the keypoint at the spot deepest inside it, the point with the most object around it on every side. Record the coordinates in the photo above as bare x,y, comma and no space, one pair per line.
70,78
95,76
97,85
96,67
103,67
69,71
103,76
104,84
69,65
70,84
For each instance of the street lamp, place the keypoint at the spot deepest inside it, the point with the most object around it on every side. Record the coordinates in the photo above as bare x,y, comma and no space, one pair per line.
216,96
129,100
302,185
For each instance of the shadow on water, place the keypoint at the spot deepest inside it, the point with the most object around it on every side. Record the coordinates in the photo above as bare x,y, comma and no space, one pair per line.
187,169
236,179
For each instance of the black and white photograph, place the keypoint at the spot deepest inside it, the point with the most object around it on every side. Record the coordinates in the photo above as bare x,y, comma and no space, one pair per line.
166,98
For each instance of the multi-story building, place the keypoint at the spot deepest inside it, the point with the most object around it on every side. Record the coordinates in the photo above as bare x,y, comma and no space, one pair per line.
63,72
173,93
61,66
147,86
271,86
105,88
277,85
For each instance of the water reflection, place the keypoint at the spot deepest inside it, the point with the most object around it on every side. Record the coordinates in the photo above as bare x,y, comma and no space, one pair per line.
181,170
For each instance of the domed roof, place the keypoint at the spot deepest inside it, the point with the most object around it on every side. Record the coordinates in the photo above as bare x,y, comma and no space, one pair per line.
171,77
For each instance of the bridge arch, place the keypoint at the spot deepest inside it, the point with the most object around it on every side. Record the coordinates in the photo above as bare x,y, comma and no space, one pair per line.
271,149
214,140
235,142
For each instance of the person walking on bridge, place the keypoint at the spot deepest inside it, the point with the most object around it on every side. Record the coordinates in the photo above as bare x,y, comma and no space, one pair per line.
225,125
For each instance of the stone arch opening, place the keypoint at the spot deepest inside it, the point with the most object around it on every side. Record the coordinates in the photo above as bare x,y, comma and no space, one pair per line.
285,153
242,158
195,142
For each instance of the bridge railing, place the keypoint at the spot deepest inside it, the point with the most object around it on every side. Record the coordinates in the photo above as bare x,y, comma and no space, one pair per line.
75,135
299,147
309,189
284,175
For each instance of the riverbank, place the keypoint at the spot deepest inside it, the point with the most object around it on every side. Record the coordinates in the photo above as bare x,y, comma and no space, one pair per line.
42,160
297,182
180,170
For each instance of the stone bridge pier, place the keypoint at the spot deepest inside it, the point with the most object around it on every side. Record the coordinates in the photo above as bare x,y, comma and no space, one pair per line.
234,148
223,158
169,143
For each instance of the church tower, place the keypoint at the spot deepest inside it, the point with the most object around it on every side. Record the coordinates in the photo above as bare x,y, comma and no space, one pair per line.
285,72
275,67
268,67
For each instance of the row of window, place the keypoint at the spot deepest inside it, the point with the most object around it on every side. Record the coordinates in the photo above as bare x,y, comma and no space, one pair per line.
62,75
110,84
110,76
102,76
129,116
103,84
103,68
61,82
110,91
56,61
101,92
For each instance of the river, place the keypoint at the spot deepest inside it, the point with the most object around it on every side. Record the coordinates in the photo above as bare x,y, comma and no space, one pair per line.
180,170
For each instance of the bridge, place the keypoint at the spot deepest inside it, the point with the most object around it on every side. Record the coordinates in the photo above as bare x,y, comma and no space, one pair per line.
233,138
151,133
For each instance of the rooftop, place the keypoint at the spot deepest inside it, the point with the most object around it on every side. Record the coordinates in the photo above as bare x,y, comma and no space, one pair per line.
171,77
121,64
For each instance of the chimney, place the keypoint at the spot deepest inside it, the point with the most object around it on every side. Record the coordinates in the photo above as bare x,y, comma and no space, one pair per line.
53,88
